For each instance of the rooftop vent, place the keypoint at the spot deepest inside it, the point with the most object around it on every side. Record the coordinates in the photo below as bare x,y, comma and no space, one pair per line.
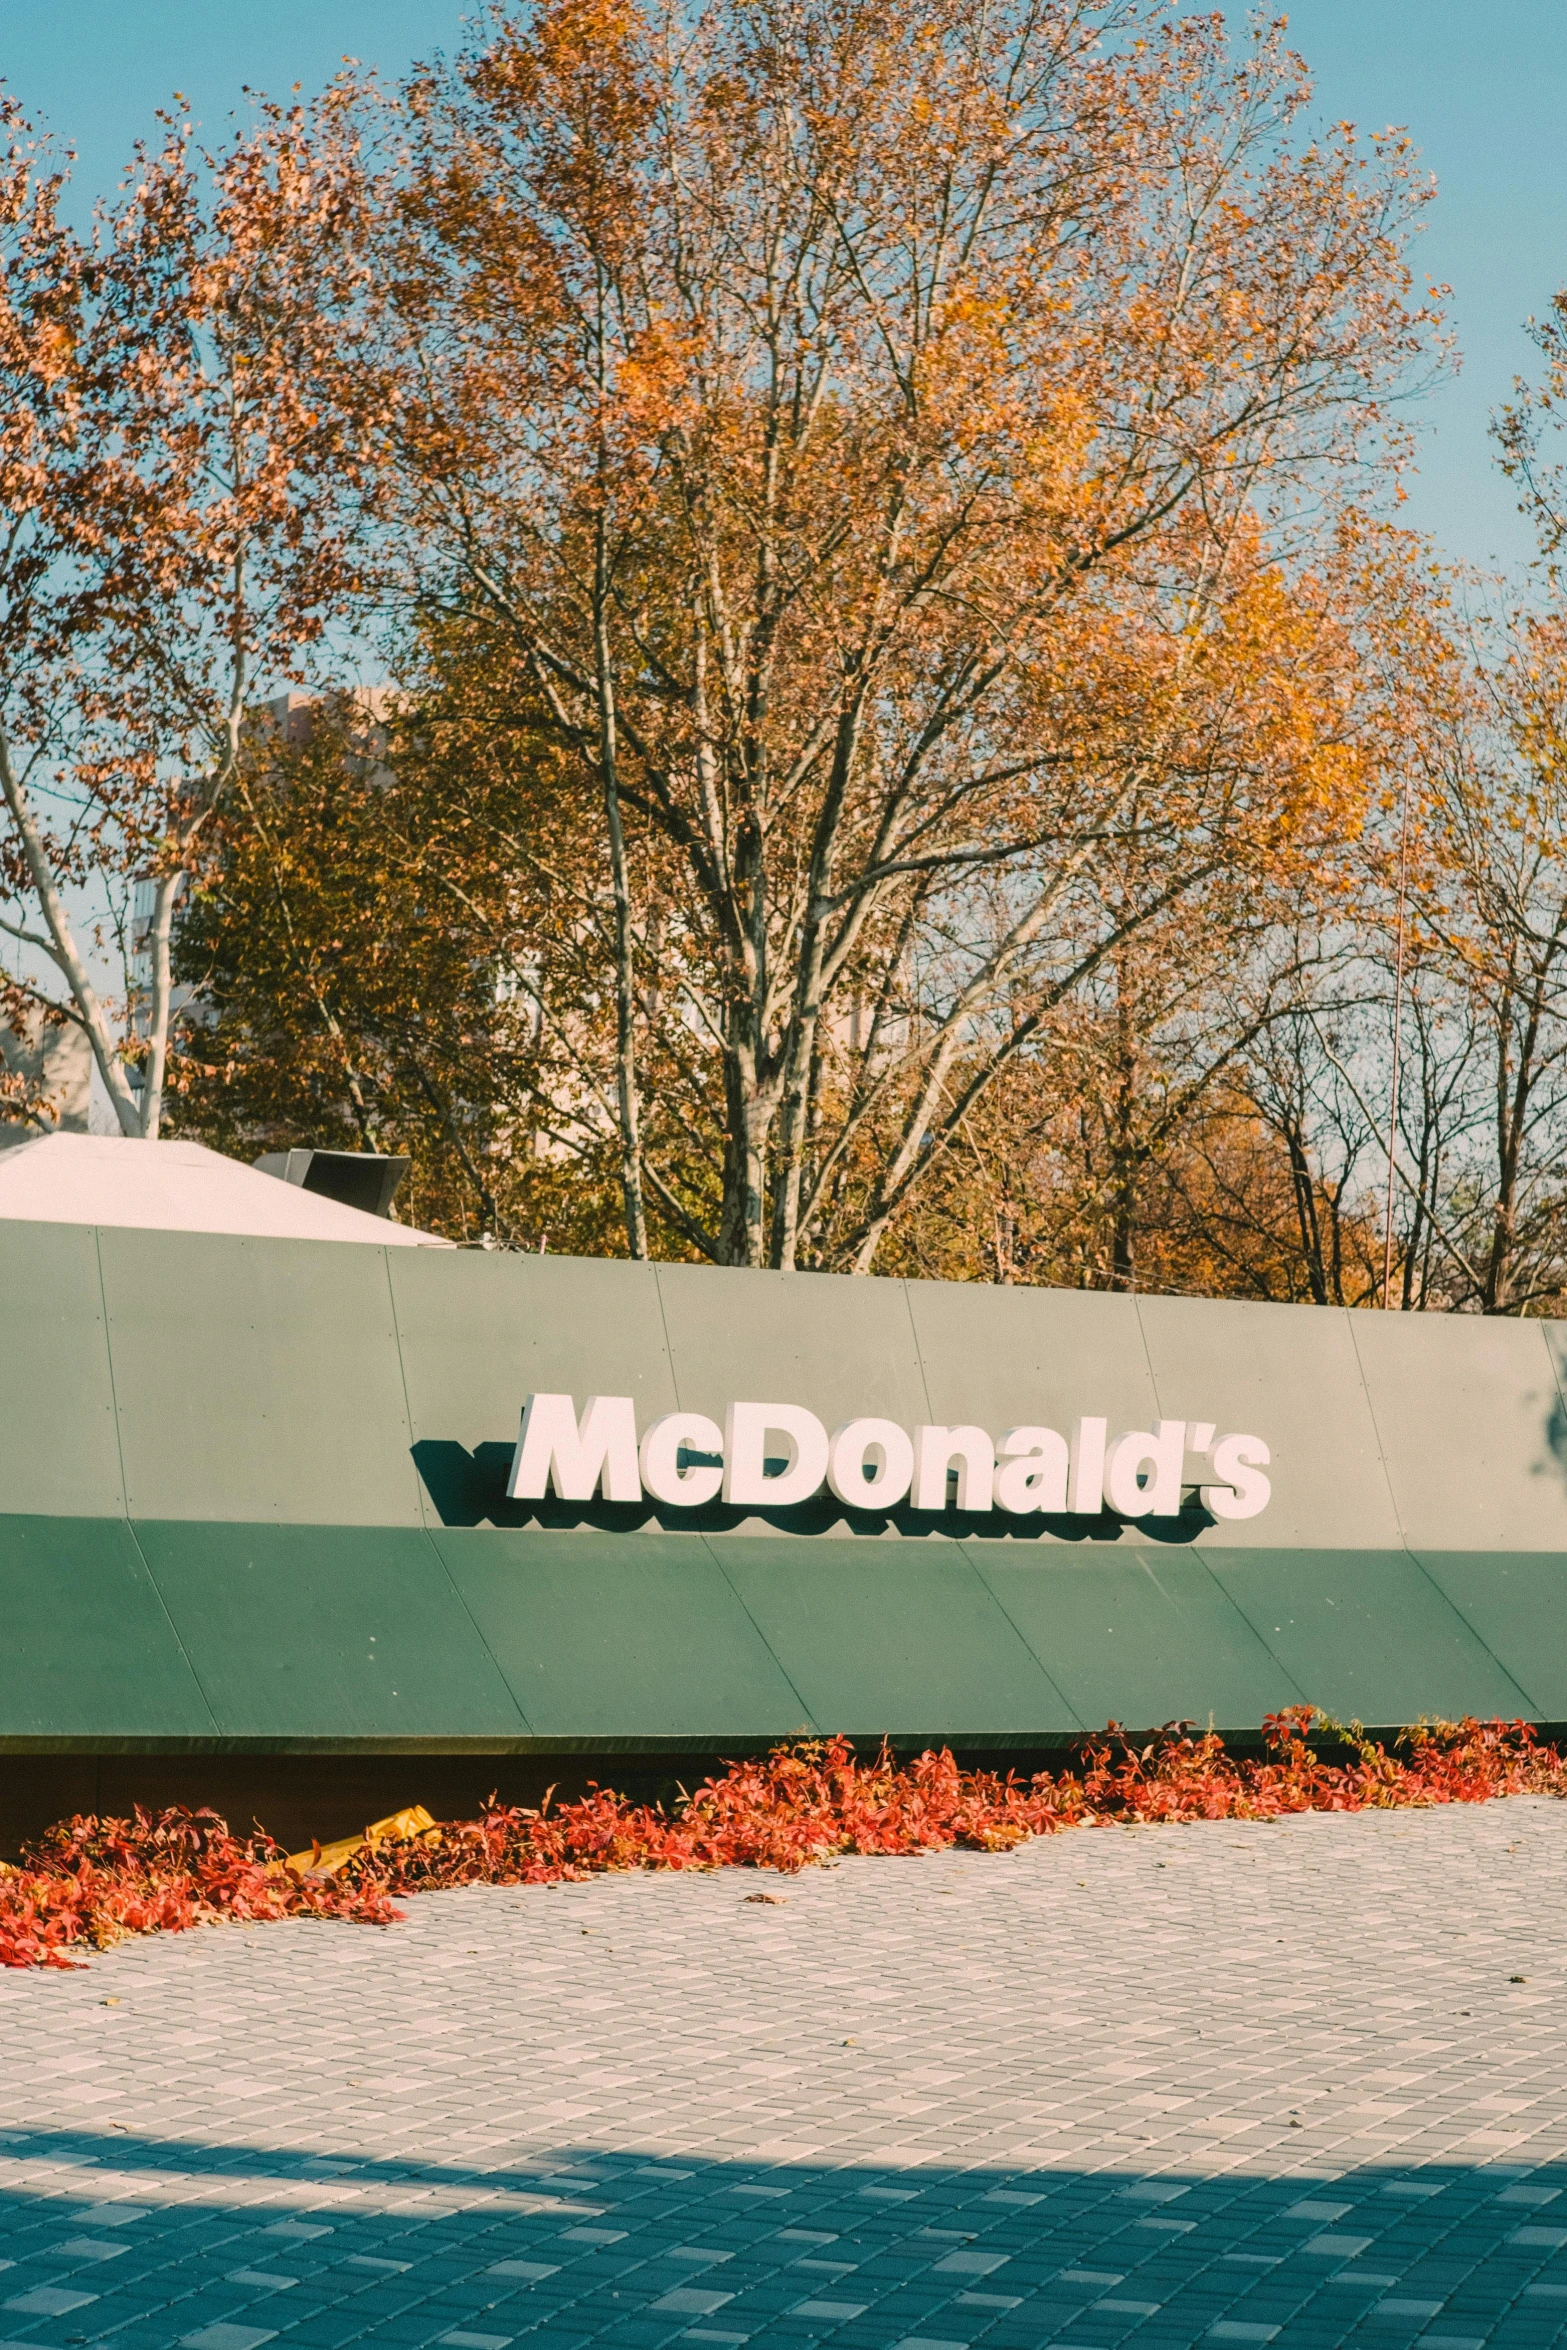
355,1179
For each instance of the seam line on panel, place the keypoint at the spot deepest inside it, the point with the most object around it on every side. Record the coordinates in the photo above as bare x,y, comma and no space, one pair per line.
663,1323
941,1533
114,1387
424,1527
919,1350
1376,1429
1229,1600
402,1375
976,1566
1153,1376
788,1678
1473,1631
454,1587
190,1662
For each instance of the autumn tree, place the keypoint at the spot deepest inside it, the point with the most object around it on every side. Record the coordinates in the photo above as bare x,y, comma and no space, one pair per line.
1417,1081
171,533
1494,925
379,958
857,425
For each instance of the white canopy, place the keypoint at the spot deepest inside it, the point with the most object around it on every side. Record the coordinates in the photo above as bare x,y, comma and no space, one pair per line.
175,1187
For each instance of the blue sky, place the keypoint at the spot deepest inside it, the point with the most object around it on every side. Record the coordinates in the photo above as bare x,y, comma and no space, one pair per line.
1480,84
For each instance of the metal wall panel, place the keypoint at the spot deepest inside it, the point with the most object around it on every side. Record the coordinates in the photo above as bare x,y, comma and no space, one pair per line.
1137,1636
1516,1602
1289,1374
286,1588
268,1379
479,1332
87,1647
327,1632
791,1338
905,1637
59,1446
355,1636
1366,1635
619,1639
1471,1425
1009,1357
257,1379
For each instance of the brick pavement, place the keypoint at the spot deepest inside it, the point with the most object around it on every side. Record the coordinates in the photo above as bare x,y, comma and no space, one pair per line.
1218,2084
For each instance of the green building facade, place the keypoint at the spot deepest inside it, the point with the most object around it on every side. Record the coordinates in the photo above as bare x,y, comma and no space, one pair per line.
254,1511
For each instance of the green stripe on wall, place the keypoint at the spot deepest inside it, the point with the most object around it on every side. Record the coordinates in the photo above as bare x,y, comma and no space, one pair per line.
332,1638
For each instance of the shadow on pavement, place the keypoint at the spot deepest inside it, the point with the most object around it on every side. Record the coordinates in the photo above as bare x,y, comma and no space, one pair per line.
157,2243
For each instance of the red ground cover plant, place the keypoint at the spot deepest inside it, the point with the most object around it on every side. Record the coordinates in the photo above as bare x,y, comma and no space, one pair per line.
89,1882
92,1882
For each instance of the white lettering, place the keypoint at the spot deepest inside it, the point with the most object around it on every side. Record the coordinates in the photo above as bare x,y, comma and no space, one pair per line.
872,1464
552,1448
746,1430
1033,1471
935,1450
662,1444
1085,1493
849,1457
1240,1460
1164,1453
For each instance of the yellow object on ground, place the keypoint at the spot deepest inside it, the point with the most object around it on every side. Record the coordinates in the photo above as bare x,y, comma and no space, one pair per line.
403,1827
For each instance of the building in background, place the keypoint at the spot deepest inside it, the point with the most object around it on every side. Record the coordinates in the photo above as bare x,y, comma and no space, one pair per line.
48,1068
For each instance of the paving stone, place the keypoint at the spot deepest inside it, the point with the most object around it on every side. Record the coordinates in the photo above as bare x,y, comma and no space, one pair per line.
1154,2087
49,2301
223,2337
